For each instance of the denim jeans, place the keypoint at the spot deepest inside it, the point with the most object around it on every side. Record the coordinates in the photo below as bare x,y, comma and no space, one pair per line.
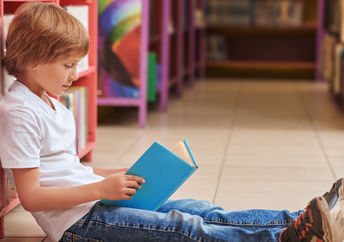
179,220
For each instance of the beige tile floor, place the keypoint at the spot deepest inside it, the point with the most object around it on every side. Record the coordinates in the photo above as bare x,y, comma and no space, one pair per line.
259,144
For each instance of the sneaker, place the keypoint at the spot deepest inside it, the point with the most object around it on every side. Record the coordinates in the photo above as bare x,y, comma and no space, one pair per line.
335,200
313,225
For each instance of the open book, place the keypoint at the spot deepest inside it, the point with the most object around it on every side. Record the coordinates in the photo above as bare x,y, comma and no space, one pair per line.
164,172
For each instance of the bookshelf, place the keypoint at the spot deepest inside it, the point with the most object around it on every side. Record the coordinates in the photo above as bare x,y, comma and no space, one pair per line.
139,100
332,57
87,78
167,32
200,57
276,50
180,51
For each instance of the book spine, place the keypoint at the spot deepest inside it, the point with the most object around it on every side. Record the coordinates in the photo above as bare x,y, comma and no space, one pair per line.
169,194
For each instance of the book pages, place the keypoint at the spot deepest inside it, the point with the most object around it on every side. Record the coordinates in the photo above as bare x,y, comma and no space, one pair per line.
180,150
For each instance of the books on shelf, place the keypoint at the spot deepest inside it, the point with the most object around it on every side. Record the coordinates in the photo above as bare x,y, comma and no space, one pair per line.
255,12
81,13
228,12
164,172
340,19
333,64
199,18
7,79
151,77
332,18
329,43
217,48
338,71
75,99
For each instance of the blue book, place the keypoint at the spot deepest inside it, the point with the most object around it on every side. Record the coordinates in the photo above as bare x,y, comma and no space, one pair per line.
164,172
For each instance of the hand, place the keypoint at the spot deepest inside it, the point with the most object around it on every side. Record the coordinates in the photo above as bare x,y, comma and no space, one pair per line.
120,170
120,186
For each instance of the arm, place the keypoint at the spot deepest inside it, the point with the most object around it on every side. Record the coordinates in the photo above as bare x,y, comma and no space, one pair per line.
35,198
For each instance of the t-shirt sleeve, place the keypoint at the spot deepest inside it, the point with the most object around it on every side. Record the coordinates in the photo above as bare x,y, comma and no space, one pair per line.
20,140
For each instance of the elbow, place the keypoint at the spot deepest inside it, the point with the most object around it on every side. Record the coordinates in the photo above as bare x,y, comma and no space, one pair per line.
29,206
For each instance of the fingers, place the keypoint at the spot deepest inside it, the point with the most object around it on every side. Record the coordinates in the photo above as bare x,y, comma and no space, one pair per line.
129,192
133,184
135,178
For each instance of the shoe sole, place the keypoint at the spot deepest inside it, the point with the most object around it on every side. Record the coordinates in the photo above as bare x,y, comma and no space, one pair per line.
325,219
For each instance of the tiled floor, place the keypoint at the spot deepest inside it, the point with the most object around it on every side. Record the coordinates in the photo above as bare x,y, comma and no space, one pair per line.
259,144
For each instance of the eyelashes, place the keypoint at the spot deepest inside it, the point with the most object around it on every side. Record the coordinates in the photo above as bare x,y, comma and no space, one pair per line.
69,65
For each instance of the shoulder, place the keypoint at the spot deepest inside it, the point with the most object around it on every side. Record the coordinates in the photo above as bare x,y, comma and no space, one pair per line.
16,112
20,118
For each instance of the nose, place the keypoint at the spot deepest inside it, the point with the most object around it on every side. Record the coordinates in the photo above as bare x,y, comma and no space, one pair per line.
74,74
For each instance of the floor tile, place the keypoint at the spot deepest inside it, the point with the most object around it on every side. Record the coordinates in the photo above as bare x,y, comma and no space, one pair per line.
262,194
337,163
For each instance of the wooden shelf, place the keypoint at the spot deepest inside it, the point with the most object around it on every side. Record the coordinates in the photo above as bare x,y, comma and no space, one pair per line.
258,64
155,39
108,101
306,29
172,82
296,69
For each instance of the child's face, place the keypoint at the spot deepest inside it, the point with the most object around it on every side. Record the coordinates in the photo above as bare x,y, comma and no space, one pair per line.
55,77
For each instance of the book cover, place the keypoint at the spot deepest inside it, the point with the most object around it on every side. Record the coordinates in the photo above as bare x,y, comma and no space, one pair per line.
151,84
164,172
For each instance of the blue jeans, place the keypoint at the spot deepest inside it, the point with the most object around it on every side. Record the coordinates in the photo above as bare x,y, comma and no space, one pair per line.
179,220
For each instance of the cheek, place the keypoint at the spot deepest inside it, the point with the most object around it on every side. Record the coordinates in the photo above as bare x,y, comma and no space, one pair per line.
57,75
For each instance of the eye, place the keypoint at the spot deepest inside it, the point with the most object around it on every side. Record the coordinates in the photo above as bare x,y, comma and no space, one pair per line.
69,65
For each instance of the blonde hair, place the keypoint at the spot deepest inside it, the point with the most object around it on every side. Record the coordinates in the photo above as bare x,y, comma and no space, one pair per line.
42,33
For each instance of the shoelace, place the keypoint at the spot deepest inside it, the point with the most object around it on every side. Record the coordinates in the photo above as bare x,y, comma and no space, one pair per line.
304,224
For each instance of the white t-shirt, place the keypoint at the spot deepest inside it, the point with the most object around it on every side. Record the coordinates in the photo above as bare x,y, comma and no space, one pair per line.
35,135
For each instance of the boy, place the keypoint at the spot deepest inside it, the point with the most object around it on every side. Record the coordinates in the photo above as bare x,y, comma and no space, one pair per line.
44,45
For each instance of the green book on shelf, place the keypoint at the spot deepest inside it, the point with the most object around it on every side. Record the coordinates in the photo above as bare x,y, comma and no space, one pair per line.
164,172
151,83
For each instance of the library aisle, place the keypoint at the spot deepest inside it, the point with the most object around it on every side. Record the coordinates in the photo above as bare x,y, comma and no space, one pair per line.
259,144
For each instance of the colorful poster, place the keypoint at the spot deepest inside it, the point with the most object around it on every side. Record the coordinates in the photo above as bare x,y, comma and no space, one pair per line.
119,48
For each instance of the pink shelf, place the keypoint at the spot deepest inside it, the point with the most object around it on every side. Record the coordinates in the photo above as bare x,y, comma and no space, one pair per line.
178,49
90,70
13,203
141,101
108,101
88,148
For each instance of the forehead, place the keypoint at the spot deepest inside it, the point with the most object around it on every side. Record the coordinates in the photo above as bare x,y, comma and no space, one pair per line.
71,58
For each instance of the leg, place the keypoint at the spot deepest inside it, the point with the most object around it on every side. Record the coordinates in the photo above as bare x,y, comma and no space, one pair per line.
126,224
215,214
